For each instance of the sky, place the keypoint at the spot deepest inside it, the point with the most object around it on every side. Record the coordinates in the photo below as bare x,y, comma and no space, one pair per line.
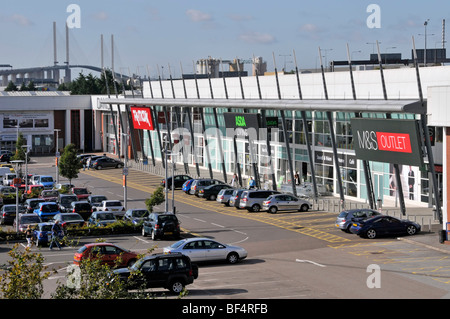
155,36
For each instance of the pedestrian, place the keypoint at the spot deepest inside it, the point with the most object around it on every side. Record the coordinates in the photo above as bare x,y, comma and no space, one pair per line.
29,235
56,230
234,181
88,163
251,183
297,178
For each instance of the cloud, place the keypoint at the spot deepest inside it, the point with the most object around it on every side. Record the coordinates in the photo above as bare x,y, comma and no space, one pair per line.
198,16
21,20
256,37
101,16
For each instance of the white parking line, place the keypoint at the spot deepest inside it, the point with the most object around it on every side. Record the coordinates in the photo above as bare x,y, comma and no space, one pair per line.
218,225
309,262
200,220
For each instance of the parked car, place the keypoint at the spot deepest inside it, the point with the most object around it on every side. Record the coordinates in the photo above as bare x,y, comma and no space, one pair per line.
187,186
43,234
224,196
252,200
63,186
6,190
235,198
136,215
6,158
81,207
32,203
8,213
206,249
277,202
100,219
47,210
346,218
81,192
199,184
179,181
26,220
49,195
172,272
8,178
114,206
96,200
32,191
109,254
69,219
45,180
384,226
211,192
106,162
65,202
159,225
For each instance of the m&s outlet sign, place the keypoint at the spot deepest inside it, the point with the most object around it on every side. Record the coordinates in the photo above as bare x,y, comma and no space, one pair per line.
386,140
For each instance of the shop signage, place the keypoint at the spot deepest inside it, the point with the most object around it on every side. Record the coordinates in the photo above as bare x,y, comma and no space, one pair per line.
391,141
142,118
242,123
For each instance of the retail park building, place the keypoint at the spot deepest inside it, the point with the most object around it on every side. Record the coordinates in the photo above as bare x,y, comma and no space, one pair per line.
96,123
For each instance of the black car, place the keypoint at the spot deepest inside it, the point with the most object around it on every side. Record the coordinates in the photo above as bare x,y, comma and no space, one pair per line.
210,192
8,213
32,203
65,202
159,225
172,272
5,157
106,162
179,181
384,226
83,208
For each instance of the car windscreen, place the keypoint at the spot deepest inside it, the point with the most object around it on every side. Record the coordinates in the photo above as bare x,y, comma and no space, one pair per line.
106,216
71,217
30,219
139,213
50,193
110,204
165,218
50,208
98,199
68,200
47,179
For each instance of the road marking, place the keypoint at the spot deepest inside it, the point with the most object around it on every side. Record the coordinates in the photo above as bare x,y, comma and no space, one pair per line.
309,262
200,220
218,225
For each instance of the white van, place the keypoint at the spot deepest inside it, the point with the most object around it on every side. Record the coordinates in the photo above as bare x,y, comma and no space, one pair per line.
8,178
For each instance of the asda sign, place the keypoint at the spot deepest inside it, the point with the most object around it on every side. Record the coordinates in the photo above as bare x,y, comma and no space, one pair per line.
386,140
244,124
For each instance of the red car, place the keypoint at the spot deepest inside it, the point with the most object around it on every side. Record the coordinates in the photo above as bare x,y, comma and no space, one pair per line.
81,192
109,254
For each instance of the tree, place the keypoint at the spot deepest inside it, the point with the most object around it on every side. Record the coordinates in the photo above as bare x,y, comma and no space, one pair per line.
24,276
69,165
156,199
11,86
20,152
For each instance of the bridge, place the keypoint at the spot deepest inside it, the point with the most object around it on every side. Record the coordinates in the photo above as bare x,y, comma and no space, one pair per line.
46,74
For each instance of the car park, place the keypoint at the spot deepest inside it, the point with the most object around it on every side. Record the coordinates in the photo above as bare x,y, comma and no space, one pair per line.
211,192
187,186
83,208
31,203
159,225
283,202
252,200
346,218
43,233
206,249
46,210
8,213
172,272
114,206
26,220
106,162
224,196
100,219
65,202
108,253
69,219
96,200
235,198
81,192
49,195
136,215
382,225
179,180
199,184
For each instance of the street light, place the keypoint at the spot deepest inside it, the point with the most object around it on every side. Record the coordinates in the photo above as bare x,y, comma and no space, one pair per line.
125,170
26,164
57,154
166,189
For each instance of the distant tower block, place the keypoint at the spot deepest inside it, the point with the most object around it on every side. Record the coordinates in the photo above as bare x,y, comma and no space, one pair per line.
259,65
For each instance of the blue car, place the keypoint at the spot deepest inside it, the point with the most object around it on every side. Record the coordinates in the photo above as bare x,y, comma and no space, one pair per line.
46,210
384,226
187,186
43,234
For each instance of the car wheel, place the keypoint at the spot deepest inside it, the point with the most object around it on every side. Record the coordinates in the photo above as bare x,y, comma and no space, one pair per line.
119,166
212,197
99,167
256,208
176,286
153,235
411,230
144,234
232,258
273,210
304,208
371,233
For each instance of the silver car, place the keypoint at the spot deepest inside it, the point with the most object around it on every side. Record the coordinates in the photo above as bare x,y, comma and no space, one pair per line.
253,200
347,217
278,202
205,249
235,198
224,196
199,184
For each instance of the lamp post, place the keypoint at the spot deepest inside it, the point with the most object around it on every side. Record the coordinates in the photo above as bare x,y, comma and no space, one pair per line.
57,154
125,170
26,147
166,188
